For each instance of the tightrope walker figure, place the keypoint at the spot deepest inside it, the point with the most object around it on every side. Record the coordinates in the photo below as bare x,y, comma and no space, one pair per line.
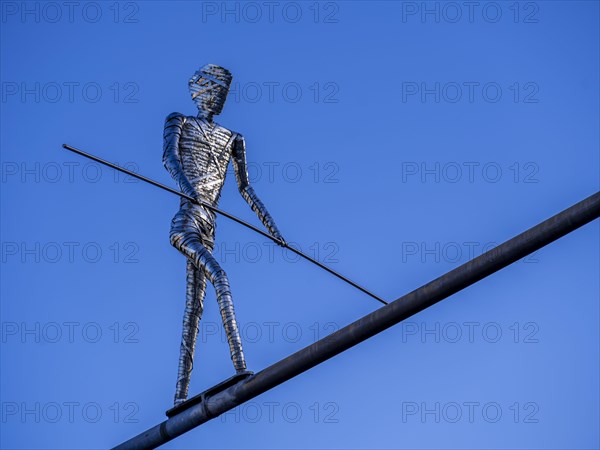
197,152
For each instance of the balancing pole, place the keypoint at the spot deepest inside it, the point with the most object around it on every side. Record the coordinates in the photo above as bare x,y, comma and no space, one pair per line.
229,216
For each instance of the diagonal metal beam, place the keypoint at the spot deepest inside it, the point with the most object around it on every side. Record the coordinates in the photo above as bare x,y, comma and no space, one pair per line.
452,282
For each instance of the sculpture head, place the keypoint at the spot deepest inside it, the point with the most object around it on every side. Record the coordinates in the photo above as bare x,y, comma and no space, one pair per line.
209,87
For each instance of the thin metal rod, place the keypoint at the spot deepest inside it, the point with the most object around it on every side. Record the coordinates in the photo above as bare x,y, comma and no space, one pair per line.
229,216
371,324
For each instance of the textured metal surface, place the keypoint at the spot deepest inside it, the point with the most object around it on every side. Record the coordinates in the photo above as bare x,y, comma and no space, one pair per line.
450,283
196,152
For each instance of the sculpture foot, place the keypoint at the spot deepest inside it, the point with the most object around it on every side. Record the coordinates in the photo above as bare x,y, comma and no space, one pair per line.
231,381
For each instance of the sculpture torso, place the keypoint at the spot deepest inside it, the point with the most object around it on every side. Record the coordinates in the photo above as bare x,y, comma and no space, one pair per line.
205,150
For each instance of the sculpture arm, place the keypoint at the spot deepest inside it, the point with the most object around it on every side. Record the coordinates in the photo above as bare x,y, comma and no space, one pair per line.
171,154
241,175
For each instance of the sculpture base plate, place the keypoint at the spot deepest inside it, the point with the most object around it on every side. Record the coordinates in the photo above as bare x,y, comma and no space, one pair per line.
235,379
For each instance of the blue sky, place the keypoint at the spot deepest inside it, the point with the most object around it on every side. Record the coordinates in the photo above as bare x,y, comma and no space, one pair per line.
391,140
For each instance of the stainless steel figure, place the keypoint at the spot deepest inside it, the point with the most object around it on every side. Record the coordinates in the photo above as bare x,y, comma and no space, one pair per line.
197,152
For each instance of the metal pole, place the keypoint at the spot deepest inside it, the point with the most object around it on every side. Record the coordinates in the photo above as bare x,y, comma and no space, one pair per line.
373,323
226,214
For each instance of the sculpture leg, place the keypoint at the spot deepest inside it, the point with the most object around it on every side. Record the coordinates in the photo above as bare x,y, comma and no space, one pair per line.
191,245
194,306
225,301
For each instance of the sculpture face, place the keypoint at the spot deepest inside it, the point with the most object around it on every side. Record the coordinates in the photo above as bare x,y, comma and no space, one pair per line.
209,87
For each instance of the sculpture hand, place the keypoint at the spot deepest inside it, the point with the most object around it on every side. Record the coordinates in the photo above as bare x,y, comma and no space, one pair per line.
280,240
188,189
196,196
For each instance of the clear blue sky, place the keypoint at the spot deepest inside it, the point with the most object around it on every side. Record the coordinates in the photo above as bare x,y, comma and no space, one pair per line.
392,141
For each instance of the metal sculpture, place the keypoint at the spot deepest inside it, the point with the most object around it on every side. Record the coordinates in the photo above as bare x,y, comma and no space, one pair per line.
197,152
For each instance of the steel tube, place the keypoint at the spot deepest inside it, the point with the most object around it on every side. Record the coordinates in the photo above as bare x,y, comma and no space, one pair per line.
454,281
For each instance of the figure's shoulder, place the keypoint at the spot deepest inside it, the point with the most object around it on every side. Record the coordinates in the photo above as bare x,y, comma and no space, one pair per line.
224,129
231,135
176,117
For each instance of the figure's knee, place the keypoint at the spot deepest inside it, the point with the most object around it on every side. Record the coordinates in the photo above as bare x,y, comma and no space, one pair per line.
216,274
180,234
188,244
199,252
175,238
